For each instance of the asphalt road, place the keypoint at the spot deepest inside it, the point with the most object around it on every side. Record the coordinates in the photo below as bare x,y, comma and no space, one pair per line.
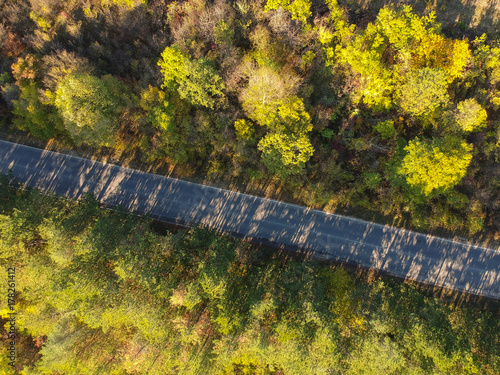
399,252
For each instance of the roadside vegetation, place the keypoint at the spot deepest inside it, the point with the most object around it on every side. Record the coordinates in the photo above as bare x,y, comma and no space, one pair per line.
106,292
378,112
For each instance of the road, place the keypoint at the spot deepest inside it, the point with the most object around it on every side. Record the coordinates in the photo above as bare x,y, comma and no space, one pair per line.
424,258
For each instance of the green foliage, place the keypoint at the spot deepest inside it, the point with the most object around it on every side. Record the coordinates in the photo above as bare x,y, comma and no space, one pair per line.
372,180
90,107
102,292
327,133
277,67
195,80
433,166
283,154
34,115
424,91
386,129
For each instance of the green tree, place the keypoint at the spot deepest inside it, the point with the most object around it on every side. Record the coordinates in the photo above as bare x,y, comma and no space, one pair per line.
285,154
32,114
90,107
433,166
195,80
386,129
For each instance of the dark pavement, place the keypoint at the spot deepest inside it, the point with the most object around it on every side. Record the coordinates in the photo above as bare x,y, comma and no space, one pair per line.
399,252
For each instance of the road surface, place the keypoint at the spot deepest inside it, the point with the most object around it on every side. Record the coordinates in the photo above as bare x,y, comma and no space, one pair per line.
399,252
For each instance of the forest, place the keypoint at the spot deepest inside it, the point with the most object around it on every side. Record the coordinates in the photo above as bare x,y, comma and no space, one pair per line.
101,291
381,114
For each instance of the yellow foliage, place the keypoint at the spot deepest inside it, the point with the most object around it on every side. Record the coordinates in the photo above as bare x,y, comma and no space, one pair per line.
436,165
398,42
129,3
246,363
436,51
244,129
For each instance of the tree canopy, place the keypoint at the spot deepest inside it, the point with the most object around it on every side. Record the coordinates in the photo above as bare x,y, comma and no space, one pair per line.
103,291
283,154
195,80
432,166
312,101
90,108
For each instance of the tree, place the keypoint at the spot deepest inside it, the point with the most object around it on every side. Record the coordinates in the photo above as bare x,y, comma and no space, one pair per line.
285,154
470,116
266,91
244,129
160,112
195,80
90,107
59,64
425,90
33,110
386,129
435,51
386,54
38,117
381,55
291,117
434,166
299,9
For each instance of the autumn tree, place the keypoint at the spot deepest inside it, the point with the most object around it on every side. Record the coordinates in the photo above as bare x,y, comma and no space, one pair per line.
34,113
33,110
299,9
266,90
434,166
399,51
285,154
469,116
424,91
90,107
195,80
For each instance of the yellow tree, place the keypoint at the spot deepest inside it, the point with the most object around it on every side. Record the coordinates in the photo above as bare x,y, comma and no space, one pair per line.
424,91
396,44
470,116
434,166
285,154
299,9
195,80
